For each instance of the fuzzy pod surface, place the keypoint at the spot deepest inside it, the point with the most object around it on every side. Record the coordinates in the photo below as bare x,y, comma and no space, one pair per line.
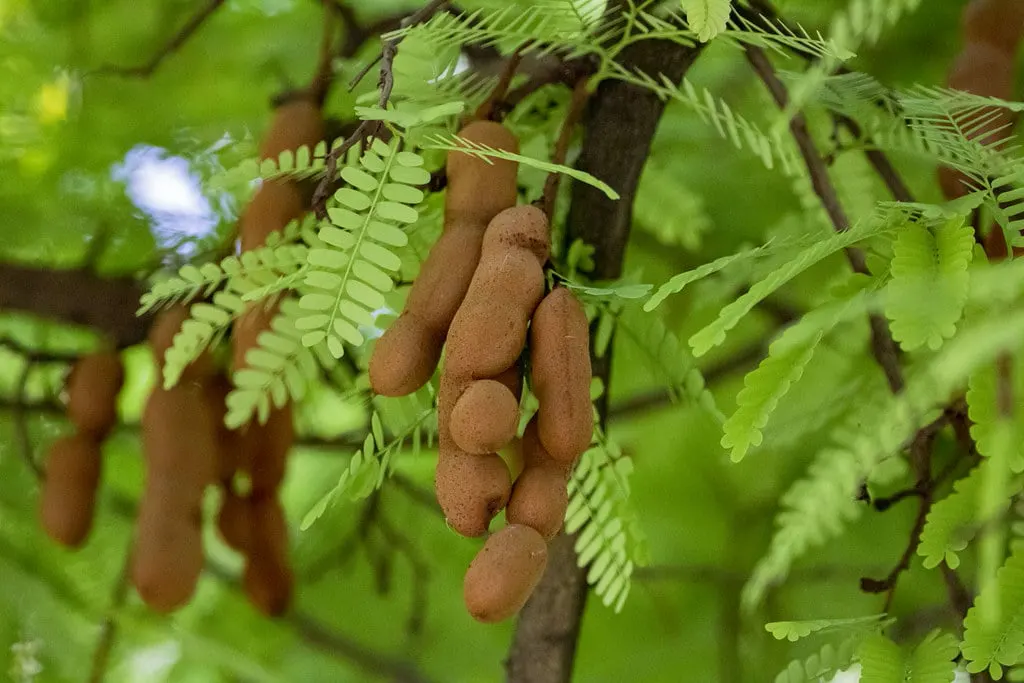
92,389
268,579
504,573
999,23
406,356
540,495
485,417
68,499
560,367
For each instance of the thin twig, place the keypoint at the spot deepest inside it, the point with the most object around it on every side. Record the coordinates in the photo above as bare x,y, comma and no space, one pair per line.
108,629
173,45
580,95
21,424
489,108
882,344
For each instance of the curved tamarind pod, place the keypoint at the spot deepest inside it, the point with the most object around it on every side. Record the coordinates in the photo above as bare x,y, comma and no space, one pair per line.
997,22
406,356
504,573
983,70
69,488
267,447
231,456
92,387
485,417
560,366
489,330
234,521
539,495
268,579
179,444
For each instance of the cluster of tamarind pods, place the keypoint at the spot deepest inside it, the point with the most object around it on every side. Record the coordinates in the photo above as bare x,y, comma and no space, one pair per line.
184,441
480,296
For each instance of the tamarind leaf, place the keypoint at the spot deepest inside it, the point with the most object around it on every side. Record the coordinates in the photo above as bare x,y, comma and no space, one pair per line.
454,143
994,626
883,661
623,291
714,334
796,630
823,664
929,282
707,18
983,410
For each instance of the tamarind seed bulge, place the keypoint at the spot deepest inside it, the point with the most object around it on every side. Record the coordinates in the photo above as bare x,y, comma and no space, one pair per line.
504,573
92,389
471,490
485,417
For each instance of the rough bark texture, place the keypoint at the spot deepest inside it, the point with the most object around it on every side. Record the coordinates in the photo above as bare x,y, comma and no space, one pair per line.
620,124
75,296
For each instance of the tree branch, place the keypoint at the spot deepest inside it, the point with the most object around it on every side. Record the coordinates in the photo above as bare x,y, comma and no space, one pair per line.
619,125
173,45
882,344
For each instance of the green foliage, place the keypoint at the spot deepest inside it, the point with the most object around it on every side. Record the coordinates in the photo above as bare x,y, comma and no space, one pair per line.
349,275
882,661
929,282
610,542
707,18
994,627
982,405
821,665
371,464
795,630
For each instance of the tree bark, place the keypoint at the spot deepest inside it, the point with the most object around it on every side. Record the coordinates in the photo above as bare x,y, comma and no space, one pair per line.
619,126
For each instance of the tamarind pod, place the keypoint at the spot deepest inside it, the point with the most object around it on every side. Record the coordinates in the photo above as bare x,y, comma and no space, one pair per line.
999,23
560,366
278,201
406,356
68,497
485,417
504,573
479,188
230,453
234,521
506,288
471,490
179,442
983,70
161,337
268,579
168,558
539,495
266,446
92,388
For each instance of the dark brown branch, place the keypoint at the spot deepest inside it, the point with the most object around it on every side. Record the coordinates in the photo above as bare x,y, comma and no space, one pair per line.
619,125
75,296
173,45
882,344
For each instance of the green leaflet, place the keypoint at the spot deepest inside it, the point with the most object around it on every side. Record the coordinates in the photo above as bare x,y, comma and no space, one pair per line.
707,18
994,627
883,661
953,521
610,542
795,630
929,282
370,465
714,334
350,273
454,143
822,665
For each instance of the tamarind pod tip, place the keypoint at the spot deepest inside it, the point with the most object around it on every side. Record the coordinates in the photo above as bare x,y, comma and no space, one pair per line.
68,498
404,358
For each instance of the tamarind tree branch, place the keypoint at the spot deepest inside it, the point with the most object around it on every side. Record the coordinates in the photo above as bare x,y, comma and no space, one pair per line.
173,45
619,125
882,344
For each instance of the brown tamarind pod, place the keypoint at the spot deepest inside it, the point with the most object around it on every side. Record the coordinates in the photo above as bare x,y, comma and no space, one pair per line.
560,367
234,521
406,356
179,444
485,417
504,573
267,446
92,387
268,579
471,490
69,488
539,495
997,22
